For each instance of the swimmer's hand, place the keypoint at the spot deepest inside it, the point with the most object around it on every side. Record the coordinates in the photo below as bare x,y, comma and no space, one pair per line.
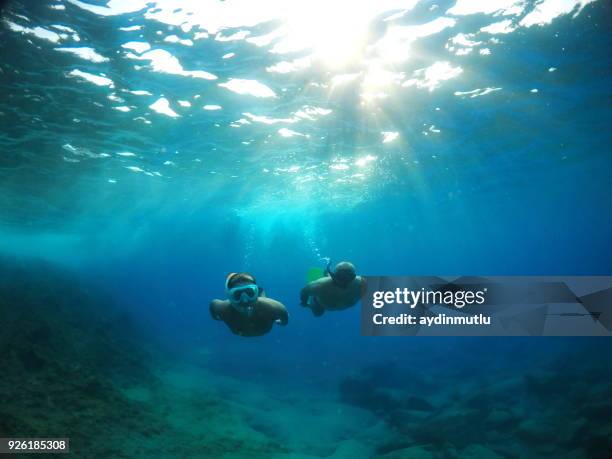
283,321
304,296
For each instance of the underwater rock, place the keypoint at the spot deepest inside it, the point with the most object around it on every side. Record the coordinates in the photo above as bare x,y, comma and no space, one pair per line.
418,404
365,393
352,449
454,424
594,437
477,451
546,410
412,452
51,319
543,383
500,418
30,360
60,377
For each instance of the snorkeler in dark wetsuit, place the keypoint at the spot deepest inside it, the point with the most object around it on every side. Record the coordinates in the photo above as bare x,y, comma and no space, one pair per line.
247,311
338,290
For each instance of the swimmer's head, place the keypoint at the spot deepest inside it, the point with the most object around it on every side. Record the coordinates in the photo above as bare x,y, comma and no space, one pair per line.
344,274
235,279
242,292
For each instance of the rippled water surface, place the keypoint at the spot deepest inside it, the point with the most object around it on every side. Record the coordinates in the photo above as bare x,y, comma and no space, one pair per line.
278,107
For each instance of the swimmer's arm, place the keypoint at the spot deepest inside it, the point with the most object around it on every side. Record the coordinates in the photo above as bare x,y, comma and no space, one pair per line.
362,286
282,315
278,311
306,292
216,309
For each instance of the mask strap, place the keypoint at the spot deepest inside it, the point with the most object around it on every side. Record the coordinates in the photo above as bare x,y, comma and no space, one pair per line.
229,277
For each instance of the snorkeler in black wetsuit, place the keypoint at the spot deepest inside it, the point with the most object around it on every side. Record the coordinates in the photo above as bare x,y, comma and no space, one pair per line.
247,311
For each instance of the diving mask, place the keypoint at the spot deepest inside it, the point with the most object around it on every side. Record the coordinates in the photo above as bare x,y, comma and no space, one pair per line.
242,297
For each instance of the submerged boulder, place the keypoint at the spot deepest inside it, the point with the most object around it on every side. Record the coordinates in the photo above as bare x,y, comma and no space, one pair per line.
65,360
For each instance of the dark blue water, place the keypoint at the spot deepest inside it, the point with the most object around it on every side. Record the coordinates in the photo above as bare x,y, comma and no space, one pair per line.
155,147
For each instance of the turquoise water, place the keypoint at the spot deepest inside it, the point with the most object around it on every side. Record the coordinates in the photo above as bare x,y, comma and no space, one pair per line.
150,148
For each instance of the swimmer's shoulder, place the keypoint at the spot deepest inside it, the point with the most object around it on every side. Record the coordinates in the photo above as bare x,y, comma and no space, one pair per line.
216,303
218,308
321,282
274,310
270,303
358,286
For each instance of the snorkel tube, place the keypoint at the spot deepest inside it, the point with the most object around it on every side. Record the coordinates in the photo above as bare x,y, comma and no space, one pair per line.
328,270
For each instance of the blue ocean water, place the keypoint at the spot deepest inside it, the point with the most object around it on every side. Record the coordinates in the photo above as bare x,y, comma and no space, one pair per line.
152,147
